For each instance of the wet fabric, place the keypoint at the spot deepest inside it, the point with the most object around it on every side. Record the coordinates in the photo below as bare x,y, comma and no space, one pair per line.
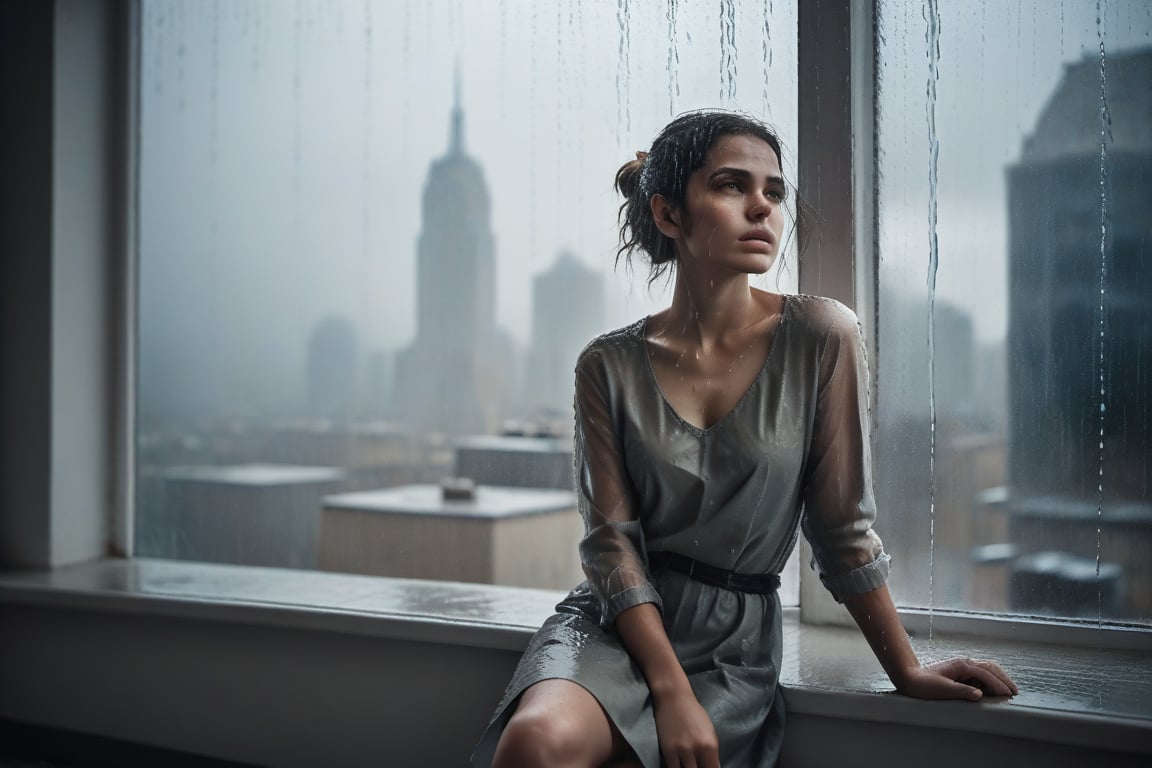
792,454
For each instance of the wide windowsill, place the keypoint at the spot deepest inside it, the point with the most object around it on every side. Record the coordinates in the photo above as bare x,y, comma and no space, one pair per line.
827,671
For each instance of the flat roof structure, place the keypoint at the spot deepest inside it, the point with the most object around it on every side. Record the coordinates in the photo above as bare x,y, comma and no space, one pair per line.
491,502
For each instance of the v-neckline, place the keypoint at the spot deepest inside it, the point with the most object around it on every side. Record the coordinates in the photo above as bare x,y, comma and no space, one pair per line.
785,308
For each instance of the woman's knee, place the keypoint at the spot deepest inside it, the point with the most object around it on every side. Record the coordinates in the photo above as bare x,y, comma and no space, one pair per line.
537,737
558,724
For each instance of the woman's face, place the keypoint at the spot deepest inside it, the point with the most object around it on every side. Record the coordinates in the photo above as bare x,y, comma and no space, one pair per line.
735,208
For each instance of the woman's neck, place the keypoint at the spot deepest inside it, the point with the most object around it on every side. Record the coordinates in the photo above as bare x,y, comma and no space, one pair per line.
707,307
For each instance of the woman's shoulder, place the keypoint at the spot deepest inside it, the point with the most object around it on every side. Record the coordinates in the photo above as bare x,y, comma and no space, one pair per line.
822,316
612,346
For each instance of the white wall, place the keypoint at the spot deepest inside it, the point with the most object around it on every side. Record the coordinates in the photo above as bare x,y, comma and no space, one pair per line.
59,237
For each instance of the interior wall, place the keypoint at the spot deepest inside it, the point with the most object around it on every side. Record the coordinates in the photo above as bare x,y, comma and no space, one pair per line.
82,215
25,280
263,695
57,145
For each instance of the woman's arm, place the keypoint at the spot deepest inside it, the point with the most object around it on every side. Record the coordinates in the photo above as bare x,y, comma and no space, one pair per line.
611,555
685,732
957,678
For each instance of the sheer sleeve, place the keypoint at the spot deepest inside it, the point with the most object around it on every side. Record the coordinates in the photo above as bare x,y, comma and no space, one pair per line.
612,551
839,507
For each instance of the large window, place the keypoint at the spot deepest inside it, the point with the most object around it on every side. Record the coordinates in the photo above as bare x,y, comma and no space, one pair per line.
1015,320
373,238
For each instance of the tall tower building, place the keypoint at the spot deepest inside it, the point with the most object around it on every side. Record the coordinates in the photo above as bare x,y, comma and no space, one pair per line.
567,311
1080,288
451,378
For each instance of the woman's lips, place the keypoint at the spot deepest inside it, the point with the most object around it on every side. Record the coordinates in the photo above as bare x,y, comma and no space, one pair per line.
761,235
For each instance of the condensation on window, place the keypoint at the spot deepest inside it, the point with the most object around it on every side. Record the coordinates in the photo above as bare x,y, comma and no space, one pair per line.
373,239
1014,324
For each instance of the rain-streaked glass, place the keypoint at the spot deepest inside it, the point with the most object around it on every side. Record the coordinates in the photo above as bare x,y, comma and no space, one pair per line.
1014,340
374,237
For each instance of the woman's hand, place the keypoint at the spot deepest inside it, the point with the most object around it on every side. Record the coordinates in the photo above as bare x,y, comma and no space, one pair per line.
957,678
687,736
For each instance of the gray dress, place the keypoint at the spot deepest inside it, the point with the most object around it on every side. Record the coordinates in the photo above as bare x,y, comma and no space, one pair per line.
793,454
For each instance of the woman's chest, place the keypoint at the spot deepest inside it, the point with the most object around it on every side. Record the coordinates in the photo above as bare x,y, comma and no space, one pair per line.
761,440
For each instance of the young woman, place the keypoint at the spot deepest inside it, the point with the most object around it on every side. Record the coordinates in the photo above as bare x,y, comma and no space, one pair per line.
706,436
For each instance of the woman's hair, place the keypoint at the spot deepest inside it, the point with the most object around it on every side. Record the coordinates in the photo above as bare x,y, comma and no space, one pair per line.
676,153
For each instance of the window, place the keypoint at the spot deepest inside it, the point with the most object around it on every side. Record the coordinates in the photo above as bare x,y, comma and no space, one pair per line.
373,239
1014,407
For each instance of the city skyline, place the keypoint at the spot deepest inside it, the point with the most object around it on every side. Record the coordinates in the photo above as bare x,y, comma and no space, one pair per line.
281,158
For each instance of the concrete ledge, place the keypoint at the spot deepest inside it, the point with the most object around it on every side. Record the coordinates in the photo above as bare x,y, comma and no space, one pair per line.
280,667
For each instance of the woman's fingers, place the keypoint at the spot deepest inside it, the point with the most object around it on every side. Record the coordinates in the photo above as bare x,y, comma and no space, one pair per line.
939,683
984,678
983,675
1000,674
702,757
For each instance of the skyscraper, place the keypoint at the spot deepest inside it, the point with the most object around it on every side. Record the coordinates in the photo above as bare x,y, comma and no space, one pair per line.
567,311
453,376
1080,283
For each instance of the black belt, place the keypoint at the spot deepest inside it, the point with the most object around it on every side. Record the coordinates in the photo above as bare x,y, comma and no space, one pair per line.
755,583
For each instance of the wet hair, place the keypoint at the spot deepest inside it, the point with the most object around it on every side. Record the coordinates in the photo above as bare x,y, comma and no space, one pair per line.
677,152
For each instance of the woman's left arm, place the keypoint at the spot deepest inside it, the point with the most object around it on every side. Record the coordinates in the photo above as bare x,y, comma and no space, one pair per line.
956,678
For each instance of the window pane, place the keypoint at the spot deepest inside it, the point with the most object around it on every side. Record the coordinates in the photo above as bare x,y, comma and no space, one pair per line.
1015,327
373,238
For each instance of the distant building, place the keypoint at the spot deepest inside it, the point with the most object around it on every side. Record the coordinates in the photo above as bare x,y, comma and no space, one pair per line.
251,514
567,311
1080,345
523,462
1054,327
455,375
332,369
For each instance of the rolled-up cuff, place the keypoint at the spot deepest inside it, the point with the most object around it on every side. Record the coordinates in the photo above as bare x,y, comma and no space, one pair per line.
622,601
859,580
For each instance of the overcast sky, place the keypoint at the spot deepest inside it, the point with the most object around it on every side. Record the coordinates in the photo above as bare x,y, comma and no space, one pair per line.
285,146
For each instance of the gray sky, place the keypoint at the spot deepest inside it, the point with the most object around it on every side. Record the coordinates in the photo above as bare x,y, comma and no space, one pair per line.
284,155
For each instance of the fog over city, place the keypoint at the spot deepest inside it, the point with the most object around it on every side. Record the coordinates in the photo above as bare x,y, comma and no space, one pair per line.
285,148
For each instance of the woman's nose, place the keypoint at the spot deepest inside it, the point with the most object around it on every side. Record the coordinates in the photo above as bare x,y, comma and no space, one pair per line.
759,207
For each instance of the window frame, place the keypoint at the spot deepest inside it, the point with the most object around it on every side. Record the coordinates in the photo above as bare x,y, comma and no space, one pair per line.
837,54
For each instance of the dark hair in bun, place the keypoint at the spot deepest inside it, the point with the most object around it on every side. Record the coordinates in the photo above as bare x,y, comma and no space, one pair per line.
677,152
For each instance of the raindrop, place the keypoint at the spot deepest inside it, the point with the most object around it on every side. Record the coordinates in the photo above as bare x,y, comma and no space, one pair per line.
932,39
673,60
766,55
623,69
727,51
1105,138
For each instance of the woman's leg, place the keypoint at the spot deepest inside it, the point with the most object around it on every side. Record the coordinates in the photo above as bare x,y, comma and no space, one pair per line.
558,724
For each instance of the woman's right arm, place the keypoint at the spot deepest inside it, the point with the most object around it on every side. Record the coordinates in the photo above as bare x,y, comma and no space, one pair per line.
610,554
686,734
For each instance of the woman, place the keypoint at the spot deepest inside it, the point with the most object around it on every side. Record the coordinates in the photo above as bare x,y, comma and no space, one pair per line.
706,436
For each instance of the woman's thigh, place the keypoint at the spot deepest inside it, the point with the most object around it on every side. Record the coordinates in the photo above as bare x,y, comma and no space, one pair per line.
558,722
